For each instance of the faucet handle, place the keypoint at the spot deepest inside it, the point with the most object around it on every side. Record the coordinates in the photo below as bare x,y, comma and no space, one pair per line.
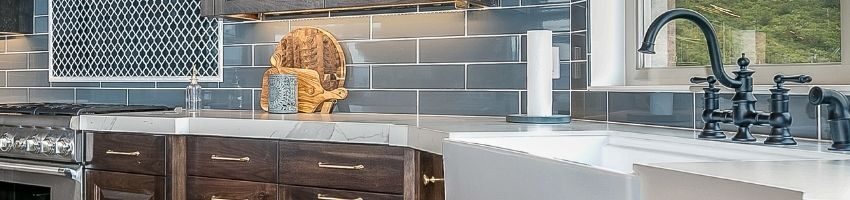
708,79
780,79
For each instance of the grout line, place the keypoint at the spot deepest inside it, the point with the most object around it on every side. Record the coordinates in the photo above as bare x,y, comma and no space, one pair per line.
127,100
371,28
466,76
75,95
466,23
371,78
417,102
417,51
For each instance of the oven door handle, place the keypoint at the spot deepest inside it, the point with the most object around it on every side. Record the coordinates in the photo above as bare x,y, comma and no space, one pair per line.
58,171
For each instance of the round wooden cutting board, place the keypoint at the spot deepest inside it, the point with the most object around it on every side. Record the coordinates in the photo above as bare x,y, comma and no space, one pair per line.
314,49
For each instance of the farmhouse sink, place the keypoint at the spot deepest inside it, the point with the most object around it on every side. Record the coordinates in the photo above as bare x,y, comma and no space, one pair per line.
581,164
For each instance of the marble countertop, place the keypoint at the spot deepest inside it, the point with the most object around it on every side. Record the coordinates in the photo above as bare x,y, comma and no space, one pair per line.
424,132
817,179
416,131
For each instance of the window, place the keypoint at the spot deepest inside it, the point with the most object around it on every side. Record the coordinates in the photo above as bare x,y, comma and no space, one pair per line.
778,36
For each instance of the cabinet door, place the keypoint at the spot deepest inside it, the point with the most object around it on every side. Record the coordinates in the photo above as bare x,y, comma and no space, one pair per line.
200,188
102,185
372,168
290,192
232,158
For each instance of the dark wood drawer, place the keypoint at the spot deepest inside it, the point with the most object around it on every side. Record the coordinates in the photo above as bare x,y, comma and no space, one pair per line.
115,185
232,158
288,192
373,168
200,188
132,153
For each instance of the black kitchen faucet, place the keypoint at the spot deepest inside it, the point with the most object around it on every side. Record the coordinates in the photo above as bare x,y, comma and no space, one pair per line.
743,113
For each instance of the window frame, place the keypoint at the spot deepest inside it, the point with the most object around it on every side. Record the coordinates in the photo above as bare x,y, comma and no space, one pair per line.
636,74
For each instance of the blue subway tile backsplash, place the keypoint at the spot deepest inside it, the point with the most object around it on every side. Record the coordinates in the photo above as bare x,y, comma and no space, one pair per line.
469,103
14,95
27,78
472,49
427,25
400,60
417,76
103,96
519,20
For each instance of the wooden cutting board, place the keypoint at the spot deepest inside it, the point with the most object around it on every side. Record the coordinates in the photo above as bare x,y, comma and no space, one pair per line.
318,60
311,95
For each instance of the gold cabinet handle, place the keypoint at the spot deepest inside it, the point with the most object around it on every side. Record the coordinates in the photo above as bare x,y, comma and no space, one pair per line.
431,180
216,198
326,197
111,152
330,166
242,159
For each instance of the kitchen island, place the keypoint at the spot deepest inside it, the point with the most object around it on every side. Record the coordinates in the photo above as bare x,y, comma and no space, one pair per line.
398,156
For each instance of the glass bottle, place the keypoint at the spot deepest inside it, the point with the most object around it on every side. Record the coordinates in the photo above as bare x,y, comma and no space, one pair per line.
193,93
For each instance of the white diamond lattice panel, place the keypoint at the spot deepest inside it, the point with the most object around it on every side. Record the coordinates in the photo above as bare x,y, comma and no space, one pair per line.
133,40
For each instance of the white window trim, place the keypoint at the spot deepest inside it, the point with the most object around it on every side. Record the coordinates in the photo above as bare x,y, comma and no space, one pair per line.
624,71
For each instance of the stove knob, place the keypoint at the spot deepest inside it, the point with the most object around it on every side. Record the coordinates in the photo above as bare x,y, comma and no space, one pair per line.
6,142
64,147
32,145
48,146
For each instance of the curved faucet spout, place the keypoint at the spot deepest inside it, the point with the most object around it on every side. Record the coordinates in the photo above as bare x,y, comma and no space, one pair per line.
648,46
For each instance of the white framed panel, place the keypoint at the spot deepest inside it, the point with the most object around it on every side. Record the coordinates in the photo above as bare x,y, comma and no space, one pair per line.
133,41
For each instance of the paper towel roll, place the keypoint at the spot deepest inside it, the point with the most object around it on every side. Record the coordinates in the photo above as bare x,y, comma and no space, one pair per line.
539,73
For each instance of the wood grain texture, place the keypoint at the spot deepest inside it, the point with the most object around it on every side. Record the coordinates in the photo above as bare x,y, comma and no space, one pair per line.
310,92
431,165
312,48
102,185
289,192
176,167
318,51
151,149
200,188
261,167
412,177
383,166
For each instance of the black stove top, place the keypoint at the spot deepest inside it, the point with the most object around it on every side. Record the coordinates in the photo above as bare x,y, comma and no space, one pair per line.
67,109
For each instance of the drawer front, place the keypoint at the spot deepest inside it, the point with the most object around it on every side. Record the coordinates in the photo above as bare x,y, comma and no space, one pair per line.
372,168
288,192
199,188
115,185
132,153
232,158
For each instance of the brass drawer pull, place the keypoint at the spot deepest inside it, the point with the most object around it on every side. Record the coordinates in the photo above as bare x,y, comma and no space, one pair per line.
431,180
330,166
242,159
216,198
326,197
111,152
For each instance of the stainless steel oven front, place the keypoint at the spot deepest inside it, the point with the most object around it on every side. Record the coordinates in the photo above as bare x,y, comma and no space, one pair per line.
30,180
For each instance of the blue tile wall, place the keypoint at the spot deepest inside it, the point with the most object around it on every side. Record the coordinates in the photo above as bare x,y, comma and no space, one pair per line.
416,59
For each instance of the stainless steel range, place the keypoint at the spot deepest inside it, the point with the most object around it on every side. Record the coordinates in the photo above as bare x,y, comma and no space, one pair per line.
41,155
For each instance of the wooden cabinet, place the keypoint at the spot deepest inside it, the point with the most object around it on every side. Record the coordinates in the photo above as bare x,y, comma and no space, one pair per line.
232,158
131,153
146,166
288,192
199,188
232,7
102,185
373,168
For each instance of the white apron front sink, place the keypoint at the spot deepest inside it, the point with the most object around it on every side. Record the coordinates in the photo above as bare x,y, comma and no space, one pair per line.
578,165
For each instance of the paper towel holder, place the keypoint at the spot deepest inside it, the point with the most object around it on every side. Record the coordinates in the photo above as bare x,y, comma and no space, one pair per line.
543,62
